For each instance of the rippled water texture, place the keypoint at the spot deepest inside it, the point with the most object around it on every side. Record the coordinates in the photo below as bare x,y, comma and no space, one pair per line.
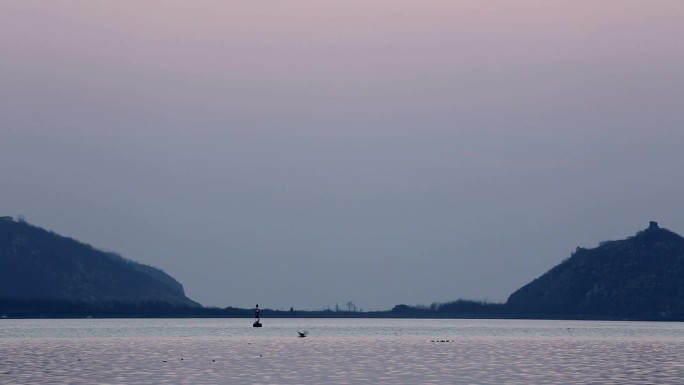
339,352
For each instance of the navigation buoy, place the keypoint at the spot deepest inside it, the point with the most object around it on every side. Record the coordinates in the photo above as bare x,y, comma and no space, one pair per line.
257,321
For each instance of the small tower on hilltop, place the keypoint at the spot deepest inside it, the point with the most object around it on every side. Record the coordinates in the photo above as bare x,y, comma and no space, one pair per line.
653,225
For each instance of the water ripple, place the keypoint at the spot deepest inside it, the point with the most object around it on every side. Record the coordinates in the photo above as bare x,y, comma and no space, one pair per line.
339,360
576,357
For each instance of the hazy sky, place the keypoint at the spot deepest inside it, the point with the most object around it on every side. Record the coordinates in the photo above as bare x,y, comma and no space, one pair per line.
308,153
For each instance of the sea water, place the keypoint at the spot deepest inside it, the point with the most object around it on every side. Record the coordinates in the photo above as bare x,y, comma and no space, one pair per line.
339,351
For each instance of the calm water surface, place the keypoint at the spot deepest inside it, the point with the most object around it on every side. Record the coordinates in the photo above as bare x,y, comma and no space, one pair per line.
339,351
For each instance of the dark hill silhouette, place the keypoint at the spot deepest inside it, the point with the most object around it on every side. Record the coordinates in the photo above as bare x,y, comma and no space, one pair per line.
639,277
39,264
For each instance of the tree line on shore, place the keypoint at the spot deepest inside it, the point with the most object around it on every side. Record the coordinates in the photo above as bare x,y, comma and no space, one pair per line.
466,309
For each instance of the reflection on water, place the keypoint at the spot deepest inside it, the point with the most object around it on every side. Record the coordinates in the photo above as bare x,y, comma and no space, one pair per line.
339,352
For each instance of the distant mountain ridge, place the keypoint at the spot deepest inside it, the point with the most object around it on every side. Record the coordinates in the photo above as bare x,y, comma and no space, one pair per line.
641,276
39,264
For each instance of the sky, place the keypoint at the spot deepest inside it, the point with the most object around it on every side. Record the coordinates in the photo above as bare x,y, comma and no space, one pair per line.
309,153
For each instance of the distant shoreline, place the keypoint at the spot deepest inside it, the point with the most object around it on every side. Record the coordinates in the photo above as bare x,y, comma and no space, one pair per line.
56,309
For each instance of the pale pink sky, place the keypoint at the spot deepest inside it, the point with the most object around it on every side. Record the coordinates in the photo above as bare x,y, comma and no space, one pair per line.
379,151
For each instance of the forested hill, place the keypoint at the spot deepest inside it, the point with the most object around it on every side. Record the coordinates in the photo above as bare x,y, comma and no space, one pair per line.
39,264
638,277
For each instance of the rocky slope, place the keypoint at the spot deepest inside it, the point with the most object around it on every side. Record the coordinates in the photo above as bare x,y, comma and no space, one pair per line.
641,276
39,264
